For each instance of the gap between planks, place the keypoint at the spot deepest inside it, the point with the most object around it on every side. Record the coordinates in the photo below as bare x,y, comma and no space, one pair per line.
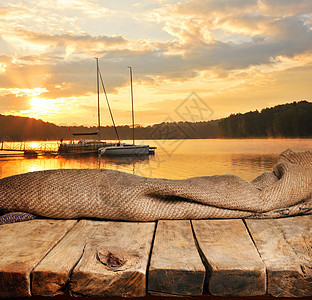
104,258
175,266
233,264
254,229
285,246
18,242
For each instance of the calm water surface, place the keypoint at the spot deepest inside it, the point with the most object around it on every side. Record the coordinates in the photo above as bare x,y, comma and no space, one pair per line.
175,159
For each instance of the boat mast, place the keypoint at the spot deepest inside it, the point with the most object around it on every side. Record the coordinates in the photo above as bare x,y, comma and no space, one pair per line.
109,108
98,95
132,104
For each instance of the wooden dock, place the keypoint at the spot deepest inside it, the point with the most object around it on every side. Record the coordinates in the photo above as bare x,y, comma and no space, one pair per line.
28,149
165,258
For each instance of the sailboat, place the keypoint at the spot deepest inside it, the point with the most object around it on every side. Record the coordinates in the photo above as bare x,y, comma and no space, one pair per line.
128,149
88,146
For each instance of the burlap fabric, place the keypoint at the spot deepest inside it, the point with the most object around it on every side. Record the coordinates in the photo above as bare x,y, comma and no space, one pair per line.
108,194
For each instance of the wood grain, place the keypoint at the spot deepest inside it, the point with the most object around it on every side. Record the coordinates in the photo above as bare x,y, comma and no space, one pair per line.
114,260
235,267
51,276
22,246
285,246
175,267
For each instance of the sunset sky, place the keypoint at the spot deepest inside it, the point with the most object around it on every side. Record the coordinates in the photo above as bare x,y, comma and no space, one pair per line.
236,55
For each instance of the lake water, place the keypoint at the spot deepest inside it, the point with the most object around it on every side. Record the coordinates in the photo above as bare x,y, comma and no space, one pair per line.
176,159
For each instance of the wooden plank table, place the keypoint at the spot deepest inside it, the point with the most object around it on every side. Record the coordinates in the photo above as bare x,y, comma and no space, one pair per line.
285,246
176,267
22,247
97,259
100,258
51,275
235,267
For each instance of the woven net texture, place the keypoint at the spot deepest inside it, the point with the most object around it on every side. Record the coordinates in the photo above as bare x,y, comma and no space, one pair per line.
114,195
14,217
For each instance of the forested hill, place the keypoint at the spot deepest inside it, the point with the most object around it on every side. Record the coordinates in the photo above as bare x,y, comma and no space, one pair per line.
288,120
14,128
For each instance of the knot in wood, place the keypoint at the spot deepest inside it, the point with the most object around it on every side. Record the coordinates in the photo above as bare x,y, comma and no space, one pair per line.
110,259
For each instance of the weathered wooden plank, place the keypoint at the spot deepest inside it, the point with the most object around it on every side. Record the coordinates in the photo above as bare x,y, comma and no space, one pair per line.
22,247
176,267
285,246
235,267
114,260
52,274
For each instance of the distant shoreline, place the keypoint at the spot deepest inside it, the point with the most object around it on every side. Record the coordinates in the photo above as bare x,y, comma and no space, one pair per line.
247,138
290,121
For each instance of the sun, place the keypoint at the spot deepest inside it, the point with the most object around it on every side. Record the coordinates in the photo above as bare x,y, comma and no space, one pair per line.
33,145
39,104
42,106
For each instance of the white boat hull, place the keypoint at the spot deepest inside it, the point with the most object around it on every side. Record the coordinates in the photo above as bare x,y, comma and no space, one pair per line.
125,150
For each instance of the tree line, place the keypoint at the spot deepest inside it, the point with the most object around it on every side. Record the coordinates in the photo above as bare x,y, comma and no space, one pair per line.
288,120
14,128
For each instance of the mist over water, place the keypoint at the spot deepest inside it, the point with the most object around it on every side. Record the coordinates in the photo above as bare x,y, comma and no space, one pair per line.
175,159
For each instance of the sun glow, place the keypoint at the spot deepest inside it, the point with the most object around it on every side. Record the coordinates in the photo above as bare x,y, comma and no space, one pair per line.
41,108
2,67
40,104
18,92
33,145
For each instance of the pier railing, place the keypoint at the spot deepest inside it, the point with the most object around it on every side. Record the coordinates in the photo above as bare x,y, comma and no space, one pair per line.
29,147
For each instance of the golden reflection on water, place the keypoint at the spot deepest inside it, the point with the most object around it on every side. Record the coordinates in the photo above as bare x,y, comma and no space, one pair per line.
175,159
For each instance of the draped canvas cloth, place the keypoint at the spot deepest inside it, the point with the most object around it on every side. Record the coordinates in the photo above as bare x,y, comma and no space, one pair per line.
114,195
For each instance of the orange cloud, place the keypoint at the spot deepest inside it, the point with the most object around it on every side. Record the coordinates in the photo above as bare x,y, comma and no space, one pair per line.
228,51
68,38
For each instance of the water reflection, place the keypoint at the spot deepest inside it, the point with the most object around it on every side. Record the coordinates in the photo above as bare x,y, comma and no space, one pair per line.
186,165
18,165
258,161
244,158
124,160
254,160
130,164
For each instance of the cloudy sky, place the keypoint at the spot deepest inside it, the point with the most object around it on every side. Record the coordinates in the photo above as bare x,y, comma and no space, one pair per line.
236,55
